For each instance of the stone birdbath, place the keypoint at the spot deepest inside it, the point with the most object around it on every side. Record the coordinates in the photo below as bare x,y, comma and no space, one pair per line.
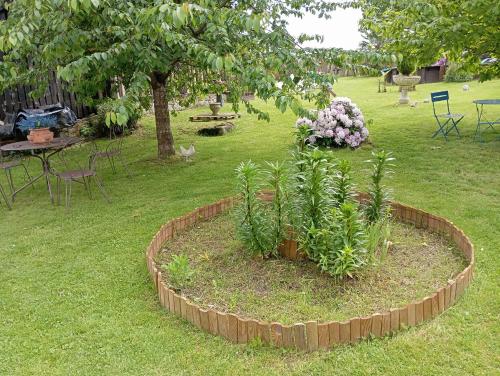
405,82
215,107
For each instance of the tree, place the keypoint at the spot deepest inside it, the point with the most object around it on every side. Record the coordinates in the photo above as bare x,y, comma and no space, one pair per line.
372,41
176,50
462,30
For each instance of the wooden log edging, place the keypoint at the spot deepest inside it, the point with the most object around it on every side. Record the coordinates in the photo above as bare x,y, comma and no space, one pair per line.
313,335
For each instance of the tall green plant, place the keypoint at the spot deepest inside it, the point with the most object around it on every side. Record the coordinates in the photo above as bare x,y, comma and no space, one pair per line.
302,134
314,196
277,178
317,201
253,227
345,241
378,193
343,185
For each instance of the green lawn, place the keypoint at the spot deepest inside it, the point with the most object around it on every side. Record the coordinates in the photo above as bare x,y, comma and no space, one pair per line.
75,296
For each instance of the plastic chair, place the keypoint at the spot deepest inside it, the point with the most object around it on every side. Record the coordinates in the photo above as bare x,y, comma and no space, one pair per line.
445,127
83,174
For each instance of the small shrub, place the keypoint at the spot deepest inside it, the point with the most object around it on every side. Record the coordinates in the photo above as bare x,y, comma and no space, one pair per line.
406,66
340,124
455,73
179,271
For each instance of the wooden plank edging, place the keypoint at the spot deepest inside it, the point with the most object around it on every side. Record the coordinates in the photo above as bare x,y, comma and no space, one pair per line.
311,335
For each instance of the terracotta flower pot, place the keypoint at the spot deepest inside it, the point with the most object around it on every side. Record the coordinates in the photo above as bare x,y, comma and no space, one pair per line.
40,136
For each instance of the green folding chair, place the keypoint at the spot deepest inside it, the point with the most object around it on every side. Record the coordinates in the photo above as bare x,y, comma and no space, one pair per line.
448,121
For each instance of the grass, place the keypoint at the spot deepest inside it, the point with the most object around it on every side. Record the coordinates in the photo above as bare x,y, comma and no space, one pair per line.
227,277
75,297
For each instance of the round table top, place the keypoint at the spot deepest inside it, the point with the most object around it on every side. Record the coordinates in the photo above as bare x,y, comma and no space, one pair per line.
57,142
486,101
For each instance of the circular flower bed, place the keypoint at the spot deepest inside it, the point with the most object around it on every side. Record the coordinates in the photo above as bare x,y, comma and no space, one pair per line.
340,124
310,335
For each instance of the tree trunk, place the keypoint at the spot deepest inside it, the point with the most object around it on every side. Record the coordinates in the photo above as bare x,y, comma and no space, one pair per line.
162,115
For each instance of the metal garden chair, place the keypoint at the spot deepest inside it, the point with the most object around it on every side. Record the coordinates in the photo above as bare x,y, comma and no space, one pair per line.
6,199
113,149
8,164
447,121
83,173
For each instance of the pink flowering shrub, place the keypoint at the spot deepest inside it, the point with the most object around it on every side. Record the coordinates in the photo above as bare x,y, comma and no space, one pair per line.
340,124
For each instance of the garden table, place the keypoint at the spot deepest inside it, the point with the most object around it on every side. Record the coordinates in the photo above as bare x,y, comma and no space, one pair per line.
45,152
481,120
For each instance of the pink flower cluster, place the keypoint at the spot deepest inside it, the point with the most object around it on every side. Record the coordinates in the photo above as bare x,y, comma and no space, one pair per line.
340,124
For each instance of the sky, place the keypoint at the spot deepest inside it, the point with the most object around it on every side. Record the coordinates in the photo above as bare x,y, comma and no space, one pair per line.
339,31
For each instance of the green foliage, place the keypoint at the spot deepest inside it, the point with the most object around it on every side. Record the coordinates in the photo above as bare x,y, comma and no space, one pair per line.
343,242
378,194
343,186
261,229
318,204
314,186
301,135
123,114
181,50
377,238
277,179
462,30
406,66
179,271
456,73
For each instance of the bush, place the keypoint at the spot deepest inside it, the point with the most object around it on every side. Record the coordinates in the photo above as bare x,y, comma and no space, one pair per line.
340,124
455,73
406,66
316,201
97,127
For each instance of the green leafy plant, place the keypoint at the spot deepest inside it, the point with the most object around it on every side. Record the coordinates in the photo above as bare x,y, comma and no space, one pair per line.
277,178
378,193
343,185
457,73
314,196
346,242
253,223
179,271
377,238
302,134
318,205
406,66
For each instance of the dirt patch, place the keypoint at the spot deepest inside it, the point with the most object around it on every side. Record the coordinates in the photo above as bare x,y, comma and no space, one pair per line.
227,278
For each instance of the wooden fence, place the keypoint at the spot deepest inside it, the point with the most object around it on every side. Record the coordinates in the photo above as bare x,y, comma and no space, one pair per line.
17,98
